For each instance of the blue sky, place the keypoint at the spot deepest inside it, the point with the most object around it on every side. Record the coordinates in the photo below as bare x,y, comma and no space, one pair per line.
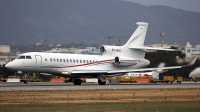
190,5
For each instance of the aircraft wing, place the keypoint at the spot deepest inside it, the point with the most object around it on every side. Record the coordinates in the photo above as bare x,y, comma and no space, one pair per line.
131,70
89,71
45,74
151,69
121,71
142,69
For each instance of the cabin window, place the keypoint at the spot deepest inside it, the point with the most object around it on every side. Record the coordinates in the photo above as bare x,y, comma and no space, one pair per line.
57,60
90,61
21,57
70,60
60,60
83,61
67,60
73,60
63,60
80,61
54,60
28,57
50,59
86,61
76,61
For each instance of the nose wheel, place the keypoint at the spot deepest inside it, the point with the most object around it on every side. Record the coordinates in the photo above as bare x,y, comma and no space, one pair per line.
26,78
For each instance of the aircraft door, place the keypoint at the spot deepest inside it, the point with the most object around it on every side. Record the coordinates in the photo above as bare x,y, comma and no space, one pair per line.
38,60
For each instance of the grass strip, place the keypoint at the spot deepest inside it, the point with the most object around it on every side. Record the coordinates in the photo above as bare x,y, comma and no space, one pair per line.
128,106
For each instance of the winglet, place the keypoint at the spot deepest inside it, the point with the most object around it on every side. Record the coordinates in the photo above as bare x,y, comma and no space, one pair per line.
191,63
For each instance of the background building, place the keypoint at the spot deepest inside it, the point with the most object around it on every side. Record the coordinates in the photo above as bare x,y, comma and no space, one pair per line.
190,51
5,55
5,48
87,50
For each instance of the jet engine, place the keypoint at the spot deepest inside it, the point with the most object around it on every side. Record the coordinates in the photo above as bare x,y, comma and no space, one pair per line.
102,49
125,61
110,49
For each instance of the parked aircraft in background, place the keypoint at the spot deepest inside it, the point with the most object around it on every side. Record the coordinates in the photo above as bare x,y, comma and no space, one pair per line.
195,74
154,75
114,60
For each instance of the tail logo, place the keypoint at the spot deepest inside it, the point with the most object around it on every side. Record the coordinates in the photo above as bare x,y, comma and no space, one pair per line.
135,38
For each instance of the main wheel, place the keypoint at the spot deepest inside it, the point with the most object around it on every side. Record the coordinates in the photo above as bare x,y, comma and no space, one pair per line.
25,82
77,81
101,82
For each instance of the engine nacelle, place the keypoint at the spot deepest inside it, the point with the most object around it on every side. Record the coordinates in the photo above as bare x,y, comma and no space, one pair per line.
110,49
102,49
125,61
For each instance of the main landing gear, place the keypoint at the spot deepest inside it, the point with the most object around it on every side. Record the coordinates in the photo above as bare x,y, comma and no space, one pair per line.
77,81
101,80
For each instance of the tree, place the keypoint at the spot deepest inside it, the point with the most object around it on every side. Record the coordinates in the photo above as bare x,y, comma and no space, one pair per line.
170,59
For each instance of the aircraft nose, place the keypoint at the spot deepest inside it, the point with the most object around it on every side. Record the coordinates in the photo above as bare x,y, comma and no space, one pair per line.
9,65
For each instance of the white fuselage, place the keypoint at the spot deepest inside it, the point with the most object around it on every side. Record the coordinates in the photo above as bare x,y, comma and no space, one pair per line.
64,64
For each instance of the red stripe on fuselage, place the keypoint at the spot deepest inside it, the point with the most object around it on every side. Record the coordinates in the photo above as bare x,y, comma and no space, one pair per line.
85,64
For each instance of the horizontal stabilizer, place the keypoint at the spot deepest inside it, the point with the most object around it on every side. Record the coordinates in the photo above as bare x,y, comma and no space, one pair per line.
151,48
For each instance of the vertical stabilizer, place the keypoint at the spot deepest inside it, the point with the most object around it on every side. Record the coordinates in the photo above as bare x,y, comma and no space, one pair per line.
138,37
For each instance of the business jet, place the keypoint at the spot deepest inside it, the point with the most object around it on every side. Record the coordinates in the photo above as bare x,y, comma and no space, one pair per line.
195,74
194,77
154,74
114,60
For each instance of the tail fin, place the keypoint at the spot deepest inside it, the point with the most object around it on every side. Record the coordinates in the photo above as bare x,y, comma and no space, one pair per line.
138,37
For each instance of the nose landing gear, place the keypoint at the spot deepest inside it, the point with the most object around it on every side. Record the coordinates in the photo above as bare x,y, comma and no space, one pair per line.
26,78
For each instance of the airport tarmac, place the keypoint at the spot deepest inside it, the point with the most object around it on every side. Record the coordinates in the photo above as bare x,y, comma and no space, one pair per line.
9,86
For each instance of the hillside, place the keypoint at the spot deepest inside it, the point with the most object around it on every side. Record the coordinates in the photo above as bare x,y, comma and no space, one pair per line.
87,21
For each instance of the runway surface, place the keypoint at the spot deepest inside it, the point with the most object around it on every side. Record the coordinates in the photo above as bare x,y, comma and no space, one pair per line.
9,86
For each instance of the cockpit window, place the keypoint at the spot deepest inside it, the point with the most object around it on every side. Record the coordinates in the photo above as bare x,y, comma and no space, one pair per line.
21,57
28,57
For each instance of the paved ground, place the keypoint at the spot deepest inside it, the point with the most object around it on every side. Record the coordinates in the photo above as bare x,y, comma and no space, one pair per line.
44,93
89,86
